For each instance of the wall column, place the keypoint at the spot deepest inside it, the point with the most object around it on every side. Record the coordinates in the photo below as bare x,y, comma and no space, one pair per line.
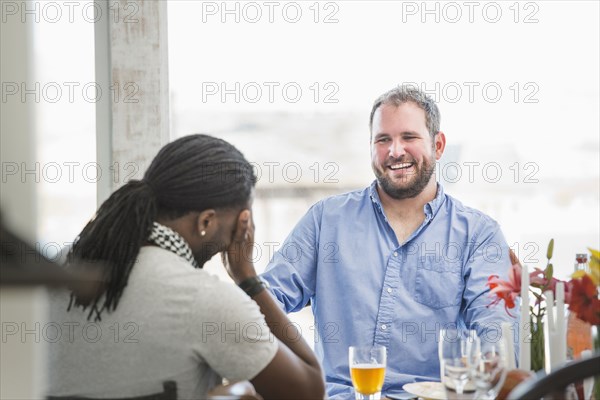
132,124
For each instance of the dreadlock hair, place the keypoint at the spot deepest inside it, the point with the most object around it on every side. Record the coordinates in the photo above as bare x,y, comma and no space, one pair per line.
193,173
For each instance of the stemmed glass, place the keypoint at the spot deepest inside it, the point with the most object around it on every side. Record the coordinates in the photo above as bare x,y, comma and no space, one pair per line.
458,354
489,373
367,369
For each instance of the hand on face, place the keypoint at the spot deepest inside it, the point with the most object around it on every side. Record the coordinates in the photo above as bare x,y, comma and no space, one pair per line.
240,252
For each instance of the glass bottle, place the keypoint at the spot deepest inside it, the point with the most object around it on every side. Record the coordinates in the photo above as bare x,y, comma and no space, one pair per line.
579,333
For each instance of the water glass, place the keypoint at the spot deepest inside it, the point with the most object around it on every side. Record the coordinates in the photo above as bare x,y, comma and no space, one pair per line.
458,352
490,372
367,370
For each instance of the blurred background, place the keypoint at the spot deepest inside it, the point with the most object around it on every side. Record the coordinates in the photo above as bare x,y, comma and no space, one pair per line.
291,84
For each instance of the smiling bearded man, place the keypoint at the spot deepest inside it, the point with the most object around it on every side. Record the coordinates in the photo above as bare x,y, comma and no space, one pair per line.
395,262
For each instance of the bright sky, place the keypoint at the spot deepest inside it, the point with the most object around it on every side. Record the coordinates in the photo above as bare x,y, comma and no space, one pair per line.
377,44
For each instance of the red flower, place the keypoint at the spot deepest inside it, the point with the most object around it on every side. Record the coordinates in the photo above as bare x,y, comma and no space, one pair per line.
583,299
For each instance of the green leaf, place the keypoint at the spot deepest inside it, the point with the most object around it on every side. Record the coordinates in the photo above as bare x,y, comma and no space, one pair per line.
550,249
549,272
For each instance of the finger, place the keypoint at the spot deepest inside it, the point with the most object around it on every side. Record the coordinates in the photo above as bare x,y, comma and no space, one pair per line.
242,226
251,228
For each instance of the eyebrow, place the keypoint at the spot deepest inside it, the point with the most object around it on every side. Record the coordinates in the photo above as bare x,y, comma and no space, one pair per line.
403,133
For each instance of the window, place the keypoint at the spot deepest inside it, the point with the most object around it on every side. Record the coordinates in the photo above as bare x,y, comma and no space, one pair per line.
291,84
66,170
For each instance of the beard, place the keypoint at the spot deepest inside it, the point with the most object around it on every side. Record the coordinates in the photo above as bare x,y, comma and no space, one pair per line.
411,185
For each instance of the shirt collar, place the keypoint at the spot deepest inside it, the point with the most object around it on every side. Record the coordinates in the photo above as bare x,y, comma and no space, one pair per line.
434,205
430,209
375,196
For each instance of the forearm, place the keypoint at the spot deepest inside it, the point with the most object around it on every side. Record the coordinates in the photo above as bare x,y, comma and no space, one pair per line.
277,321
284,329
294,372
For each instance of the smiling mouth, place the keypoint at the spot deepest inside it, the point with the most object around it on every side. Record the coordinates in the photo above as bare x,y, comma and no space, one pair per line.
400,166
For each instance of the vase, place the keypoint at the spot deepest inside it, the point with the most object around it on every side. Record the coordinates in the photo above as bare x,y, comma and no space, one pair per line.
579,337
537,343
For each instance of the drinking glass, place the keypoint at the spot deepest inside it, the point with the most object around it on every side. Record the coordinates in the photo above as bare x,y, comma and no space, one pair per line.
367,369
458,352
490,371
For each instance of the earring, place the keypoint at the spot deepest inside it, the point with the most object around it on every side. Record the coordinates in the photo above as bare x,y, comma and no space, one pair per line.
202,233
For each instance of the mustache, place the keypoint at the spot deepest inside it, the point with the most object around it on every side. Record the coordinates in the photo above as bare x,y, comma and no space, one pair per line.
402,159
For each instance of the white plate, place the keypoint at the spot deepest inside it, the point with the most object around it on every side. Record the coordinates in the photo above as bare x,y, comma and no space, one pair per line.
427,390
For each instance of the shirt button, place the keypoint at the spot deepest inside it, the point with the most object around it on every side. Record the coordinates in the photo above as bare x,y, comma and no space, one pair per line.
395,254
389,290
383,327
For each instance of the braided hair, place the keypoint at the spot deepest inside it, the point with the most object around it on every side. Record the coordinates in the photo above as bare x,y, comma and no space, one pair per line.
193,173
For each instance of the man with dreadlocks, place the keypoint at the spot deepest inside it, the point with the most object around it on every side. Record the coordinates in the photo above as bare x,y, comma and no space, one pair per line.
160,317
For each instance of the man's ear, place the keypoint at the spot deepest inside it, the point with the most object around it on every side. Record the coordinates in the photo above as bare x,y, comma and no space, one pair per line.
440,144
206,222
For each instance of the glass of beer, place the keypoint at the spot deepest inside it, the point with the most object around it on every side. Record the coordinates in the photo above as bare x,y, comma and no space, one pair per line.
367,369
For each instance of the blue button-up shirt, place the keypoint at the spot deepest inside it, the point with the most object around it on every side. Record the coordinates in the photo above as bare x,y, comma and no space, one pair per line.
366,288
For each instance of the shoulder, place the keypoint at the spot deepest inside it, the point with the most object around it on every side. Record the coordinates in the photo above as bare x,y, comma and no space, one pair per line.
345,201
223,301
229,296
156,260
474,225
173,276
354,196
332,210
468,214
199,294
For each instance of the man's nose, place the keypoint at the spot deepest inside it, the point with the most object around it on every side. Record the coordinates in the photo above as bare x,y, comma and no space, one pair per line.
396,149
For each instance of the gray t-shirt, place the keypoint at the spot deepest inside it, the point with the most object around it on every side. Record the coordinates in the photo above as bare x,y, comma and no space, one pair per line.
173,322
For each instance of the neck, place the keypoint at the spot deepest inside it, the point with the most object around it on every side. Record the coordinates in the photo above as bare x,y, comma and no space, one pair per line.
409,208
184,226
179,225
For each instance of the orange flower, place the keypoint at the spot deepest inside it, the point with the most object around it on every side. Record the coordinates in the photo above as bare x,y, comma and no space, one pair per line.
506,290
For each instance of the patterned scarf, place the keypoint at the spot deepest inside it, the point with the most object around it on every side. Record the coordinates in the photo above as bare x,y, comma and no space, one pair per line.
166,238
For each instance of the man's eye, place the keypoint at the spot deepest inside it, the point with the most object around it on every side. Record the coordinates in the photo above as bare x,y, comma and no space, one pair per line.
382,140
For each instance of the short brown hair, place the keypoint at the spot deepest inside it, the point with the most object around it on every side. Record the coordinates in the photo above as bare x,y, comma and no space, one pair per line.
407,93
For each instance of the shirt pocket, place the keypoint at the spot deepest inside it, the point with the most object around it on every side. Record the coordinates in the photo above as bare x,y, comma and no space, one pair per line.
438,283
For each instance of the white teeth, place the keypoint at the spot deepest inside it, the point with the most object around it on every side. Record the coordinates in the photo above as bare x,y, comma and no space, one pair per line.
401,166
